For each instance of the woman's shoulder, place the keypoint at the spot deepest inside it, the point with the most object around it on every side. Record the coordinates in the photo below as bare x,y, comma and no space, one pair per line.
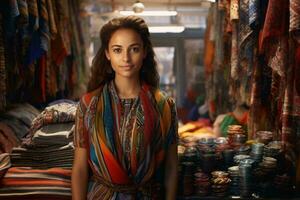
162,97
220,118
87,97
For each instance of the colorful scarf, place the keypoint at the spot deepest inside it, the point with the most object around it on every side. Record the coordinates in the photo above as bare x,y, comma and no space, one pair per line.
150,136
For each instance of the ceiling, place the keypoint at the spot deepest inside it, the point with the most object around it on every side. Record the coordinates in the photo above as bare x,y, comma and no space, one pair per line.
191,13
153,4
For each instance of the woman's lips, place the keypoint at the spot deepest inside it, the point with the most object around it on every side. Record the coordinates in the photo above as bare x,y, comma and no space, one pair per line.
127,66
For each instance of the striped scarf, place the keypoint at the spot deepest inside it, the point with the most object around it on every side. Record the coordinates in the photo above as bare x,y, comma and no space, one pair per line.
146,155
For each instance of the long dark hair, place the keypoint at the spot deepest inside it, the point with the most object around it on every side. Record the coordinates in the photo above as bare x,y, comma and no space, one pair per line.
102,72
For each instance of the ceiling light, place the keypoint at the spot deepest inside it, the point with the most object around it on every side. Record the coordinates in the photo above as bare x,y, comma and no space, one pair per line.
166,29
138,7
150,13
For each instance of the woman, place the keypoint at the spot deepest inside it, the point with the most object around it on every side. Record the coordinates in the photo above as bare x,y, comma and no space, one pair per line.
126,128
239,116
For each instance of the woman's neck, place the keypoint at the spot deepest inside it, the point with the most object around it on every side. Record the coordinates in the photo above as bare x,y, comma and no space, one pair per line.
129,88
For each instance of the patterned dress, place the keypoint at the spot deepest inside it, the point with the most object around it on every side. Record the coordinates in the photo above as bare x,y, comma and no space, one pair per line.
126,140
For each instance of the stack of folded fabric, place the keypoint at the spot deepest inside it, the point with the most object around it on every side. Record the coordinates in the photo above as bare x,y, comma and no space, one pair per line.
15,124
41,167
27,183
43,158
4,164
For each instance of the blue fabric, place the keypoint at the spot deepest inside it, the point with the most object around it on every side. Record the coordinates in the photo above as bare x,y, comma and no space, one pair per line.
253,14
108,120
35,49
193,114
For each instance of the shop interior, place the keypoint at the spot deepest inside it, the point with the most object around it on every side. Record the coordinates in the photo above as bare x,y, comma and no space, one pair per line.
231,66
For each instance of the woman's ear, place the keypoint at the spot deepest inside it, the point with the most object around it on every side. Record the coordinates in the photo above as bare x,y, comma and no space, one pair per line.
107,55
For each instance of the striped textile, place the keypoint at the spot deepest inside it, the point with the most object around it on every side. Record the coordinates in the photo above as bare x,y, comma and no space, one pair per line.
154,129
43,157
27,183
4,164
52,23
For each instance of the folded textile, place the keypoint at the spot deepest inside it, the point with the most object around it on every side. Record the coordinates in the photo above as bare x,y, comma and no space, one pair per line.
4,164
54,114
27,183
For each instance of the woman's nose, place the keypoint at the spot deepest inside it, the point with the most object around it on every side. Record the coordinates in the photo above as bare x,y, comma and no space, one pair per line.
126,56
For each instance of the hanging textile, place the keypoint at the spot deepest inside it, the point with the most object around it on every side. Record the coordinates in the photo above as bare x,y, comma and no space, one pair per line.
295,19
219,39
234,52
234,17
2,68
234,10
274,38
209,47
42,45
253,14
246,42
52,23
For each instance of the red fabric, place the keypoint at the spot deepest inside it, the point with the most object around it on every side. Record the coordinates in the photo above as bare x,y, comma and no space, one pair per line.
58,50
150,114
276,22
117,173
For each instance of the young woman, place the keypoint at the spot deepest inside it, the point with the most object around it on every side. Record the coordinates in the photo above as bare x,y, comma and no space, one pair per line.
239,116
126,128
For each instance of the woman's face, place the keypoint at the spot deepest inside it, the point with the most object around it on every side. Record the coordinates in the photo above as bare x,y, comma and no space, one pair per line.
126,53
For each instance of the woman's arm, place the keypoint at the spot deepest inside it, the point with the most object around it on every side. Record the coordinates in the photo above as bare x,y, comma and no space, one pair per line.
80,174
217,124
171,172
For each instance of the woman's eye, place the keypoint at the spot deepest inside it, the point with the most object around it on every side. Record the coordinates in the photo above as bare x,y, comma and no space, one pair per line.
117,50
135,49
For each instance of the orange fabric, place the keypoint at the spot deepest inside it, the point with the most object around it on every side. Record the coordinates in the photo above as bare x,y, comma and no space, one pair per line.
20,183
242,120
209,48
118,175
